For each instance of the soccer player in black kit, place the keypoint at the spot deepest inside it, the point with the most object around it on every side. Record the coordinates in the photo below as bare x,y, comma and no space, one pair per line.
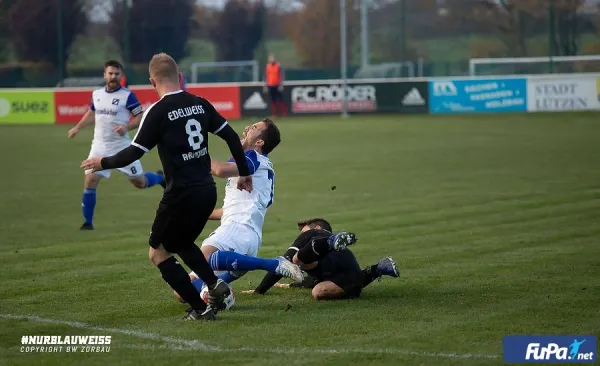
334,272
179,124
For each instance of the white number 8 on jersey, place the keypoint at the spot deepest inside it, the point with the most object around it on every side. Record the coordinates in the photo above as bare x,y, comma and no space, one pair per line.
195,138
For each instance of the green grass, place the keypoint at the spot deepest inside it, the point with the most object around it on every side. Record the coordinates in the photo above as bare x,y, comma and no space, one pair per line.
492,219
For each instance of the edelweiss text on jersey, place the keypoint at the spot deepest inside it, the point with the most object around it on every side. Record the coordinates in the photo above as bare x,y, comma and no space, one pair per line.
185,112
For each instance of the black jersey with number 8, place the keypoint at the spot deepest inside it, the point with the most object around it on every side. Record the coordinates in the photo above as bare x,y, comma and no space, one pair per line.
179,124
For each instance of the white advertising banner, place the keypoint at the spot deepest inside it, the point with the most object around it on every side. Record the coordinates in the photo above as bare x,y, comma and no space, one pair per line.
568,93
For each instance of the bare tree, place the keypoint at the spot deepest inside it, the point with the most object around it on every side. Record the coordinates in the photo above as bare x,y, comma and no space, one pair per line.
514,22
5,39
568,25
34,30
238,30
153,26
315,31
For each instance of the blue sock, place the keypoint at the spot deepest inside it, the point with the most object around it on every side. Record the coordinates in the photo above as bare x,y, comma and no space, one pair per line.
231,261
88,202
227,277
153,179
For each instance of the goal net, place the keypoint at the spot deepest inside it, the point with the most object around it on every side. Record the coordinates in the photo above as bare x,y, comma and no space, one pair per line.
226,71
534,65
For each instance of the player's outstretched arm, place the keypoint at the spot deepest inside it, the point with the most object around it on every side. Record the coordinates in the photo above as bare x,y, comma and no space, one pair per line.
235,146
224,170
146,138
88,118
229,169
270,280
278,285
123,158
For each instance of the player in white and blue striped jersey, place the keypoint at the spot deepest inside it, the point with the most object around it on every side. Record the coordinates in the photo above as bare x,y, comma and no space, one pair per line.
111,109
233,247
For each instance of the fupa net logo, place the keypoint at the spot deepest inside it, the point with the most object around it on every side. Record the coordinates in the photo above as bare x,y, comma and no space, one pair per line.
550,349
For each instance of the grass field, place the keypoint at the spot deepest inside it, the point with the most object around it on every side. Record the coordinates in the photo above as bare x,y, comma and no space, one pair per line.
494,221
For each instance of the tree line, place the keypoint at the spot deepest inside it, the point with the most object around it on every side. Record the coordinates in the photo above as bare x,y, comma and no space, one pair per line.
30,27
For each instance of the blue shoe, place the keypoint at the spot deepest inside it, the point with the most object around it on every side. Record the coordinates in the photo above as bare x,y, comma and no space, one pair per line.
340,241
387,267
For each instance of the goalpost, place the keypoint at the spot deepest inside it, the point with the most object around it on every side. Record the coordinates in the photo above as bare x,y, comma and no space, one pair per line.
540,65
239,67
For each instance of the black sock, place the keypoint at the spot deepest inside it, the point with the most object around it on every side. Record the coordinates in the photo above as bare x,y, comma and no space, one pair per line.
176,276
194,258
314,251
369,275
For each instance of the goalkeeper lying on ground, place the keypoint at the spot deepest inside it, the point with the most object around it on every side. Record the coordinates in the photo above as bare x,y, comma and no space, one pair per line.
333,271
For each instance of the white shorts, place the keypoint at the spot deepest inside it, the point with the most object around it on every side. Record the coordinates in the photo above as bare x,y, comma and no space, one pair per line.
132,170
234,237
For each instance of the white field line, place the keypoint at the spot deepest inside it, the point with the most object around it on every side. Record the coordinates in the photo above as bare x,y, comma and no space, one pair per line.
172,343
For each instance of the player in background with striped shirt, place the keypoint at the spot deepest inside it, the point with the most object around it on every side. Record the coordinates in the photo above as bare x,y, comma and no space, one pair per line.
111,109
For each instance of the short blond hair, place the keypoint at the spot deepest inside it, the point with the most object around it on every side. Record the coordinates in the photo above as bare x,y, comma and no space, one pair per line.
163,67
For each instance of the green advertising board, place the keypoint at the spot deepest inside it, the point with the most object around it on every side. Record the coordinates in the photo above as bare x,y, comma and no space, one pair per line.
26,107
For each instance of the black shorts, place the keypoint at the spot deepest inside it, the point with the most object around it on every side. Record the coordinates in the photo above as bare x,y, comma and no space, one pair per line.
181,217
275,94
343,269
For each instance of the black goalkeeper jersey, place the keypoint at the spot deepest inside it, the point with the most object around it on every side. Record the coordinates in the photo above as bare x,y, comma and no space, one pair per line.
333,263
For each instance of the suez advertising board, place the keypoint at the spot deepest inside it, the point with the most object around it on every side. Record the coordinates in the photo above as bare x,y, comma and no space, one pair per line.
405,97
35,107
568,93
71,105
478,95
